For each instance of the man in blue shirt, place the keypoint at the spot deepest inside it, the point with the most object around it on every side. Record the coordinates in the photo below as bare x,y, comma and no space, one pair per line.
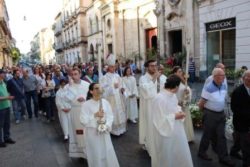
16,88
212,103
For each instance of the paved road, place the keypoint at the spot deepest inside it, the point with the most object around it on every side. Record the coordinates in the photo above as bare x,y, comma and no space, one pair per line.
40,144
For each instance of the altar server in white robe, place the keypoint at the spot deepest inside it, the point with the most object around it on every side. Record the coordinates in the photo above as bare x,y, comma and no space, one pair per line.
148,91
97,120
171,147
63,108
112,86
76,95
184,95
131,94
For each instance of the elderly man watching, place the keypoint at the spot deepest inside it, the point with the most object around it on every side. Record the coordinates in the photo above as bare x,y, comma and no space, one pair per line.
240,105
212,103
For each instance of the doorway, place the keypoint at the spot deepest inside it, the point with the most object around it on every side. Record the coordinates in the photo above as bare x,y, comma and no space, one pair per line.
175,41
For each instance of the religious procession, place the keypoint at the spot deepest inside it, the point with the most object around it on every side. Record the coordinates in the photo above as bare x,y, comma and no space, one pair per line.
93,105
124,83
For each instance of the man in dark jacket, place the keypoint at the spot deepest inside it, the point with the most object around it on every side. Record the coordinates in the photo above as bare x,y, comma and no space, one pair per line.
16,88
240,104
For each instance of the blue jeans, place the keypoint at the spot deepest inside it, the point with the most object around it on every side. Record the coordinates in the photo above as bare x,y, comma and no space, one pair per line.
4,124
19,108
49,107
33,95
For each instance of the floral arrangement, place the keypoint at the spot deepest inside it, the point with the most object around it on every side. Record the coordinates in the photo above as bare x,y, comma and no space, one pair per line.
196,115
229,128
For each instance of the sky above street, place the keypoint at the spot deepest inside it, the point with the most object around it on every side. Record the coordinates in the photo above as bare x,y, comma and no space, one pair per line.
27,17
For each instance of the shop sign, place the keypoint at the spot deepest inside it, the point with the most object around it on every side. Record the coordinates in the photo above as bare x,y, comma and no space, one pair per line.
222,24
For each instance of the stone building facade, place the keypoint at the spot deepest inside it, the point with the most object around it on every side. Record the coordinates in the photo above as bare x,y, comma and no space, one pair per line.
224,28
6,41
58,45
74,31
125,28
46,40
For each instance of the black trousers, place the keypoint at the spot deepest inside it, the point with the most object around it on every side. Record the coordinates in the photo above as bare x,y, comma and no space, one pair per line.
245,147
214,123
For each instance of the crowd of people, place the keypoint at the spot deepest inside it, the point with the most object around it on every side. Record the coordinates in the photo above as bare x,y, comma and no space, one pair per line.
93,104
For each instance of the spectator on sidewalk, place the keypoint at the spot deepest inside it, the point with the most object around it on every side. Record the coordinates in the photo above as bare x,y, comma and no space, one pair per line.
57,77
30,87
191,70
240,105
212,103
38,73
49,96
16,88
4,112
90,77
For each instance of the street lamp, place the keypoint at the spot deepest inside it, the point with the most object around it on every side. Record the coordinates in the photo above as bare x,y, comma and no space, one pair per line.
157,12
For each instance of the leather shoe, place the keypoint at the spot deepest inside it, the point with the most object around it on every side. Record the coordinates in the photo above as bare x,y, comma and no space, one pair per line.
10,141
227,163
236,155
205,157
3,145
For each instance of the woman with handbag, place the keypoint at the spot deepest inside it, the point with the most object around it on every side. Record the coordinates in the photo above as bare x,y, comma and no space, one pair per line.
48,94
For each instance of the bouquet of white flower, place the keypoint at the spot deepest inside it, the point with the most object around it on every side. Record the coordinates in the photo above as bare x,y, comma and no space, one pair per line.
229,128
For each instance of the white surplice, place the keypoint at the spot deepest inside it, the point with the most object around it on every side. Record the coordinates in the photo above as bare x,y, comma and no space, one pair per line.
76,138
188,124
114,97
129,83
170,145
99,148
148,91
61,104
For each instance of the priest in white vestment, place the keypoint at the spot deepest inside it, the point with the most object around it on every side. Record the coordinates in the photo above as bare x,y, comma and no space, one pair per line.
170,145
148,91
163,77
99,148
131,94
63,108
76,95
184,95
111,83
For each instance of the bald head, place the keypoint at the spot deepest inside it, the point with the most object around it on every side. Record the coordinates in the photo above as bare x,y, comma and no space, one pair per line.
221,66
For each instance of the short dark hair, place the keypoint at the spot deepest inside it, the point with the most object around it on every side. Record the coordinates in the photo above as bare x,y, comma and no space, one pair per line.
63,81
175,69
148,62
15,71
172,82
76,69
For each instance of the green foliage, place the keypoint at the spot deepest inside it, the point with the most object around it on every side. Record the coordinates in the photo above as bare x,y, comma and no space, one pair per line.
234,74
15,54
151,54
